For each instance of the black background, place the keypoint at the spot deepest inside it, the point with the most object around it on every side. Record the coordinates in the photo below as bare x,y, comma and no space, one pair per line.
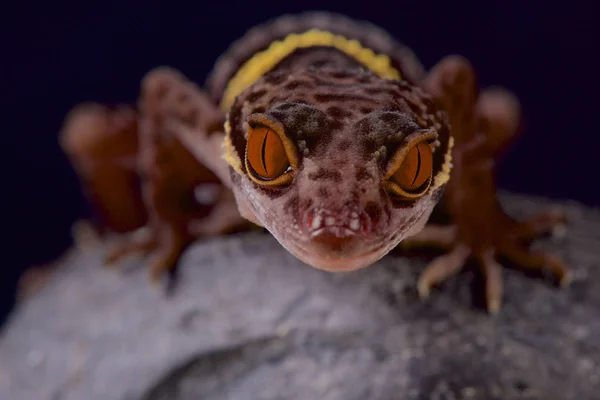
56,54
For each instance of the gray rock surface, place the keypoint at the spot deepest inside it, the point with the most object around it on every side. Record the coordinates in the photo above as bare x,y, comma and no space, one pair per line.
249,321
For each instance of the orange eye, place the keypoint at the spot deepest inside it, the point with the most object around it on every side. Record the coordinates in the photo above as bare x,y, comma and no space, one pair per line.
265,153
415,170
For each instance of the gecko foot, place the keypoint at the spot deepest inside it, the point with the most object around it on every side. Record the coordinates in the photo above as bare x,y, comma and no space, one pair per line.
129,247
450,264
166,252
509,247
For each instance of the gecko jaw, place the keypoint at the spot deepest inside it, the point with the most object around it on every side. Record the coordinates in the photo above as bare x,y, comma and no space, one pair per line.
335,247
338,264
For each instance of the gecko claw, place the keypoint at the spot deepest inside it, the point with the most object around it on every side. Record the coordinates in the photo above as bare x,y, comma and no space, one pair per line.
423,289
566,279
154,280
559,231
493,306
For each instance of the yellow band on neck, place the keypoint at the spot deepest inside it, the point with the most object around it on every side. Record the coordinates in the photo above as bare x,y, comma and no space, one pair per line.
266,60
443,176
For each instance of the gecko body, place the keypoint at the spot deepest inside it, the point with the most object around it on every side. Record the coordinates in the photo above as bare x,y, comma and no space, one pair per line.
331,135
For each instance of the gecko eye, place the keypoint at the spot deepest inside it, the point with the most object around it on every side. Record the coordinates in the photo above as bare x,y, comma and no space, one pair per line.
410,175
415,169
267,156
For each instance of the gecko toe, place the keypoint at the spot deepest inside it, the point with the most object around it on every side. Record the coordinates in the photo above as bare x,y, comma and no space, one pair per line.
166,259
442,268
550,222
126,248
538,260
494,285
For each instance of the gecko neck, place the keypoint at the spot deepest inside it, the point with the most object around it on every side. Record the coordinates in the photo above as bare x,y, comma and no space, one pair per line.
297,51
281,36
316,57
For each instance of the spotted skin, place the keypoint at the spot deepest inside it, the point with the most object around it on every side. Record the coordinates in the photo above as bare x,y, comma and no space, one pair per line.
347,101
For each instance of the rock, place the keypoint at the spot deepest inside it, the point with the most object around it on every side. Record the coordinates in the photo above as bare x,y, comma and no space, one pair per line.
249,321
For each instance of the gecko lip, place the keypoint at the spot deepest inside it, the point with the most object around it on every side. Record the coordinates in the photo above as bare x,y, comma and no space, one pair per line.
336,231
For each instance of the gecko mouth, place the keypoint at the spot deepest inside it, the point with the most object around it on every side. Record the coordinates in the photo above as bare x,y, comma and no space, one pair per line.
347,252
345,222
337,238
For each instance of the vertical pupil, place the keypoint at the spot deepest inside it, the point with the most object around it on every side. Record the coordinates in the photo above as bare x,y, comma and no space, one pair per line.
418,166
264,151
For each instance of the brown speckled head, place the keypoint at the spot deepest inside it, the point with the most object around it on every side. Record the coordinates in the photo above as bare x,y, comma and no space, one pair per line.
343,132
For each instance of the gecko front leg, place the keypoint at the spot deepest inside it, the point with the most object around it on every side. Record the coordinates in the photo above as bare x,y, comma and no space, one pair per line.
482,125
101,143
137,173
171,174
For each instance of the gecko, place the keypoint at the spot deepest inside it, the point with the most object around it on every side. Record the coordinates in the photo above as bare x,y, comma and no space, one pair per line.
330,134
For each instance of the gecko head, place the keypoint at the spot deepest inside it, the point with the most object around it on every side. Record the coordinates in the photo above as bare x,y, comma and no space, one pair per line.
339,166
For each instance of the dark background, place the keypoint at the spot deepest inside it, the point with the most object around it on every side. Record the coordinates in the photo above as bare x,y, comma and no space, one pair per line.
56,54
